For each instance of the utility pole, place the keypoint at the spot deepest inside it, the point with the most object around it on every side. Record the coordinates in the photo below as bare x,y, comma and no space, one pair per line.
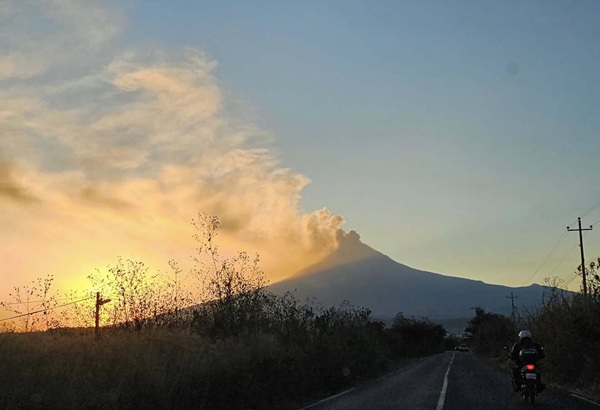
512,302
581,248
99,302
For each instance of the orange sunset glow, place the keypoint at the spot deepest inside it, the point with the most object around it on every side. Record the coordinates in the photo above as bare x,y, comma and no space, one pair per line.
116,155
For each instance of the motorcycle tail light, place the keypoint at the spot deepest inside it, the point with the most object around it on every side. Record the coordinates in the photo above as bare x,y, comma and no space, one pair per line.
530,367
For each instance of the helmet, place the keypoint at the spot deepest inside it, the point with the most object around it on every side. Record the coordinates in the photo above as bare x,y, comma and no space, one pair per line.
524,333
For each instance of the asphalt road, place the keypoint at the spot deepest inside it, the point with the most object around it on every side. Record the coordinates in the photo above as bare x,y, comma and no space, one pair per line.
449,381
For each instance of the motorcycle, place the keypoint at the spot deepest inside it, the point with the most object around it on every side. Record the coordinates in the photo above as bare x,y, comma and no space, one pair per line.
530,382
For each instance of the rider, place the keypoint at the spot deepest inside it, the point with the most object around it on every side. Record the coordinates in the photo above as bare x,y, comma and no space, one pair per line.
525,342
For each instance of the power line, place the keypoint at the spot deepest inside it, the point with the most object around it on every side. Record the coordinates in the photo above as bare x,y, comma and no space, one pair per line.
44,310
594,223
563,259
591,209
33,301
569,278
554,248
568,282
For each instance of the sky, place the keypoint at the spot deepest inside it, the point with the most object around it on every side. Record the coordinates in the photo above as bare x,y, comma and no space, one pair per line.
455,137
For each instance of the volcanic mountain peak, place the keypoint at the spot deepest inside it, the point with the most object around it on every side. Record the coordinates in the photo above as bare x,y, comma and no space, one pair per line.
365,277
350,250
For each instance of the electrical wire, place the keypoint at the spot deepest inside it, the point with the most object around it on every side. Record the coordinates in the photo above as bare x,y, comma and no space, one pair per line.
44,310
567,283
554,248
569,278
591,209
572,224
563,259
34,301
575,272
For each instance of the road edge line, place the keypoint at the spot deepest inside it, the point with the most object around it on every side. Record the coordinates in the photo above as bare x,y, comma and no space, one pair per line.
585,399
328,398
440,404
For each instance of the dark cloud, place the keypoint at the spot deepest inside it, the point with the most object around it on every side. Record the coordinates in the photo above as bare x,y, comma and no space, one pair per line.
12,190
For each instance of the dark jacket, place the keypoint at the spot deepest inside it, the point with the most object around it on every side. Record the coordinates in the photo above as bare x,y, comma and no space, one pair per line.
516,349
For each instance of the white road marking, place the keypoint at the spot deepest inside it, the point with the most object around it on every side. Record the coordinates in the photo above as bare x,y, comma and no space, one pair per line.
440,404
328,398
585,399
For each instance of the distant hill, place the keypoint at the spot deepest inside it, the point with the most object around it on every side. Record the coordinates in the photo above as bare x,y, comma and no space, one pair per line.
367,278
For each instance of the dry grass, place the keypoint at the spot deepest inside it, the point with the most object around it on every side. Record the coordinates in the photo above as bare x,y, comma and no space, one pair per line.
159,368
152,369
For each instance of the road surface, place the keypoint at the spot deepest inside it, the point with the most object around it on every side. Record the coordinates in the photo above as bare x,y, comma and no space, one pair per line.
448,381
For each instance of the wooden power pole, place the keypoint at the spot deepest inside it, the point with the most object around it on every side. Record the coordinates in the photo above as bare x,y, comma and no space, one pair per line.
512,302
581,248
99,302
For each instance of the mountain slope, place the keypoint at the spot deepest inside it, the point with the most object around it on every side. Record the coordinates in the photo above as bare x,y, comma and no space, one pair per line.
366,277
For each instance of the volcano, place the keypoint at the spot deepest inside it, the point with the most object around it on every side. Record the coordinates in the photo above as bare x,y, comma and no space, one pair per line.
367,278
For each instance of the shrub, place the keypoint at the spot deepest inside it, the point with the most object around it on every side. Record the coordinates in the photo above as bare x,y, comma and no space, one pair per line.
238,347
568,326
491,333
415,337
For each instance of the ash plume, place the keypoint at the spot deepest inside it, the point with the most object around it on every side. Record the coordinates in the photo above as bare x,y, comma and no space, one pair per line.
122,148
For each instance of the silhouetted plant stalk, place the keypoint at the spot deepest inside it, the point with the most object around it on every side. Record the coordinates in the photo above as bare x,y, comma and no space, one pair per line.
37,296
138,298
594,280
233,296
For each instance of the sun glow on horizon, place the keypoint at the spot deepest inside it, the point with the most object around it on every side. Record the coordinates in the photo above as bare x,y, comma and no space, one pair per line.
115,155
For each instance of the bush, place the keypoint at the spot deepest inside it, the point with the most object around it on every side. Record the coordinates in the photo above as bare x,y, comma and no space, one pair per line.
568,326
177,369
409,337
491,333
238,347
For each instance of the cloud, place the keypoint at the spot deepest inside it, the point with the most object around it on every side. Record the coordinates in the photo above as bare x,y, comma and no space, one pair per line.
122,150
40,36
13,190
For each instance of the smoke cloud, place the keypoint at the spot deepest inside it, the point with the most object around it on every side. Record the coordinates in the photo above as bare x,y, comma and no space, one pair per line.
107,152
